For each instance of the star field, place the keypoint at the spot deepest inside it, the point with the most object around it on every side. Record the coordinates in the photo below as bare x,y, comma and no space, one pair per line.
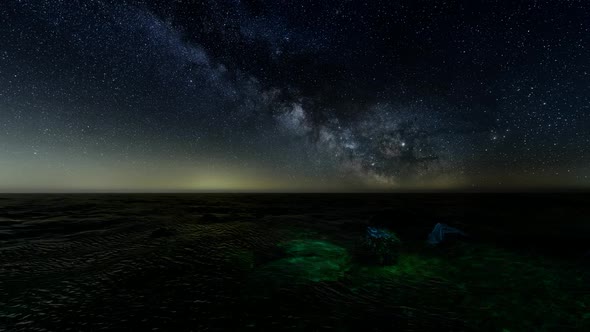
293,95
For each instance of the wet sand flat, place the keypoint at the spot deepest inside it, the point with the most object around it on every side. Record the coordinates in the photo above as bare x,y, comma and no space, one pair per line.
289,262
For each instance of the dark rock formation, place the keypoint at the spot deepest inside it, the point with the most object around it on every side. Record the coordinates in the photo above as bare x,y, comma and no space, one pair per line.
380,246
444,233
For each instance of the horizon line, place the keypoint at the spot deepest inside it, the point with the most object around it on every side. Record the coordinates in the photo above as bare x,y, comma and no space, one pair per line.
524,190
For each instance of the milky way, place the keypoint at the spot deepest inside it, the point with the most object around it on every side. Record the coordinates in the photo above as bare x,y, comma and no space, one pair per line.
293,95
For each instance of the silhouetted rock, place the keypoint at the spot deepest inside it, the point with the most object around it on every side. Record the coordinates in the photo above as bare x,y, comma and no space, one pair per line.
410,223
444,233
380,246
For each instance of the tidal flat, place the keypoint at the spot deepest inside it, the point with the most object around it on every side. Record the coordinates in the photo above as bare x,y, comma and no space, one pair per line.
268,262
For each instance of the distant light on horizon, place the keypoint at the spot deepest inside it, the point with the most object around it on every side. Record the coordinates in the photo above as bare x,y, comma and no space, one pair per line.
110,96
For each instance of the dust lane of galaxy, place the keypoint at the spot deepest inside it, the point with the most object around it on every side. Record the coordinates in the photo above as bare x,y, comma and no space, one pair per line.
304,95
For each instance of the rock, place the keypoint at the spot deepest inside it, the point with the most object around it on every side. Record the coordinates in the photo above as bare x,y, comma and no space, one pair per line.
442,233
380,246
162,232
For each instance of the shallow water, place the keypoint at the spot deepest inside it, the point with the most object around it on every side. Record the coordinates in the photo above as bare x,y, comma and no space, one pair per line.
288,262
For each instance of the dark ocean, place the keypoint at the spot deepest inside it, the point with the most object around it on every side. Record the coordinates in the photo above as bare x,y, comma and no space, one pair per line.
268,262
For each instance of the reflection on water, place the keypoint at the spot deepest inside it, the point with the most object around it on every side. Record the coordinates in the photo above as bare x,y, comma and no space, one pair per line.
264,262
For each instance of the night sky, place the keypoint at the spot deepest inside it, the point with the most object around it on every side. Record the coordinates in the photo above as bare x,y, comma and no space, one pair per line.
294,95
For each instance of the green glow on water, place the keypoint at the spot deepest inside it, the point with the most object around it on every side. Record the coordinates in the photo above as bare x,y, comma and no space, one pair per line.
488,287
312,260
311,247
410,266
